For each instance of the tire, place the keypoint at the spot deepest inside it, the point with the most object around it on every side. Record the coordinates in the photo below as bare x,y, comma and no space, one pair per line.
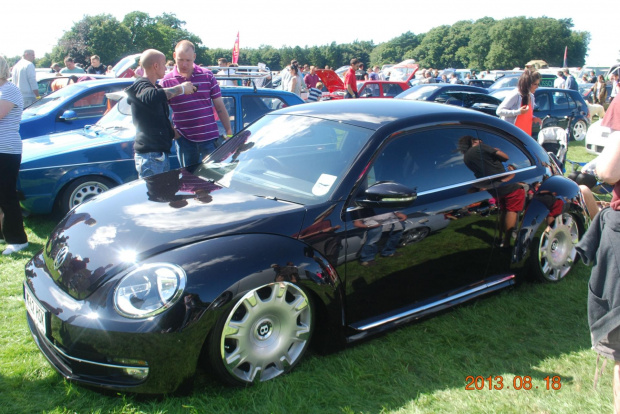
554,252
264,335
578,131
81,190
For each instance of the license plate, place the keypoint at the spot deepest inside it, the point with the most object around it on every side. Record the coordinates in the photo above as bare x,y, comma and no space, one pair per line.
36,311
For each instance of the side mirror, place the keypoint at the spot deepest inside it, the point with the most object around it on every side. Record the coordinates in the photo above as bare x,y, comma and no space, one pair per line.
69,115
387,194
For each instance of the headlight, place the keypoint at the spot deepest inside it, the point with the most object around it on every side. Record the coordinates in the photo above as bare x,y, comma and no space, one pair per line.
149,290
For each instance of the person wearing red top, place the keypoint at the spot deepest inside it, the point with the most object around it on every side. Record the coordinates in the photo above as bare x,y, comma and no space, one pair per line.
350,82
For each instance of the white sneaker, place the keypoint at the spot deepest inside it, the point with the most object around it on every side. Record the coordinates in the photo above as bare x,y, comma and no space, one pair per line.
12,248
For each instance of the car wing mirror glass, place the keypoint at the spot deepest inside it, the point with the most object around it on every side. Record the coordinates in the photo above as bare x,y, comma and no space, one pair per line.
68,115
387,194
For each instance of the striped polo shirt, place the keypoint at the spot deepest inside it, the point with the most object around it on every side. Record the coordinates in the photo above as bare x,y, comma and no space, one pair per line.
10,140
193,114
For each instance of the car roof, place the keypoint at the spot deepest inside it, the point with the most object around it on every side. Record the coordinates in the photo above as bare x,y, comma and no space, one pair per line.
376,113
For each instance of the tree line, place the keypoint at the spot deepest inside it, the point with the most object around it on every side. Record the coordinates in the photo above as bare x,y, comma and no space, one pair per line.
482,44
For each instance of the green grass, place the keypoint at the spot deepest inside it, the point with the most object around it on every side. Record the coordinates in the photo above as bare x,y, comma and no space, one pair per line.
533,330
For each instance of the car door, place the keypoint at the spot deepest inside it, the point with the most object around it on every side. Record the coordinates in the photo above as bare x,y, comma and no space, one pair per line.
85,109
443,240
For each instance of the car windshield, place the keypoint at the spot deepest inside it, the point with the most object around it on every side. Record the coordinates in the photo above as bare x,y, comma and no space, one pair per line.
294,158
51,101
501,94
505,82
117,121
418,92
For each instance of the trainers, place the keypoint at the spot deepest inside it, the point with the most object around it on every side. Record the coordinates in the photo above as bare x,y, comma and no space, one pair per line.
12,248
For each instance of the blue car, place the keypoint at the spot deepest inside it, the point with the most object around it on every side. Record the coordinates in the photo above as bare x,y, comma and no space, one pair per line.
60,171
71,107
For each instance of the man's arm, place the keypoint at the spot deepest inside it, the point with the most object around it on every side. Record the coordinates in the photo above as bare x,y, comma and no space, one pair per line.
186,88
218,103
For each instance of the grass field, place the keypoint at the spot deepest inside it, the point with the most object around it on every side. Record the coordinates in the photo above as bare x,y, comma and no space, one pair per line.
534,337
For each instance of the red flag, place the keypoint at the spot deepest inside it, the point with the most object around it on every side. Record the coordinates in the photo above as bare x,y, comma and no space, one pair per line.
565,65
235,52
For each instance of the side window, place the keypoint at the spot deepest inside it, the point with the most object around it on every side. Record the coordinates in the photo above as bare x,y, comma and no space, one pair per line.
424,160
560,101
571,102
516,158
92,105
370,91
254,107
229,103
391,89
542,102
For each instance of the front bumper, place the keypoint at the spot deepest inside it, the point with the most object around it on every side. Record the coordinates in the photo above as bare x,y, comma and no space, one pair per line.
88,342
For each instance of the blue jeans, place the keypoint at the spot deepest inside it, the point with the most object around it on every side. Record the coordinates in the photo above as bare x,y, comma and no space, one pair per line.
190,152
369,250
151,163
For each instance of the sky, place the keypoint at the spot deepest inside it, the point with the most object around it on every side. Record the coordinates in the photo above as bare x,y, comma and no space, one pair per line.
303,23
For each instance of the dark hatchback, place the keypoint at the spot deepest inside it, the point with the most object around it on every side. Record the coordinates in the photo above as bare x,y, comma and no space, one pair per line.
327,222
558,107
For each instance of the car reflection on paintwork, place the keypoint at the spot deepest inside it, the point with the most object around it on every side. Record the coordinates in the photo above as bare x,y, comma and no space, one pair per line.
60,171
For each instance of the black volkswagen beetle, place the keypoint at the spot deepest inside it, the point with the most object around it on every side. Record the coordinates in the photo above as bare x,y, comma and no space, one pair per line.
325,222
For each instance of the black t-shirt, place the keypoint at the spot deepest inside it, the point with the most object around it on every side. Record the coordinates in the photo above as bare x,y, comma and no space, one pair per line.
150,114
99,70
360,74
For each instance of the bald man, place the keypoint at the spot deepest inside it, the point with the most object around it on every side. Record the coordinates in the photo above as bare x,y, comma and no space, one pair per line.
193,116
151,114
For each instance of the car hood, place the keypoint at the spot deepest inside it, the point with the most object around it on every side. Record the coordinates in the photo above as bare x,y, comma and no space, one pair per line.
143,218
45,146
330,79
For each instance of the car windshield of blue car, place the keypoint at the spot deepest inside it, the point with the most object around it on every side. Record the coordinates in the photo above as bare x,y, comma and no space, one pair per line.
117,121
419,92
50,102
294,158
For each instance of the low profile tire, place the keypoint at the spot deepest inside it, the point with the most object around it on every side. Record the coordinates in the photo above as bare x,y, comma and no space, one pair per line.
554,252
579,130
263,336
81,190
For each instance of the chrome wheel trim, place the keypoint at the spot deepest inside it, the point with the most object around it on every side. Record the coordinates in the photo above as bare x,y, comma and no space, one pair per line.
557,252
579,130
266,332
86,191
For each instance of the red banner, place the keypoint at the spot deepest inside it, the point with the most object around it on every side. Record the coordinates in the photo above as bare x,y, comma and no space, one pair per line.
565,63
235,52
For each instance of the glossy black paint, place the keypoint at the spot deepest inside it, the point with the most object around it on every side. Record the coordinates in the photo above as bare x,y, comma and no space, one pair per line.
229,243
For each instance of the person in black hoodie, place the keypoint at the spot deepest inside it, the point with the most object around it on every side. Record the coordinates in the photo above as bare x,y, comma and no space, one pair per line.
151,114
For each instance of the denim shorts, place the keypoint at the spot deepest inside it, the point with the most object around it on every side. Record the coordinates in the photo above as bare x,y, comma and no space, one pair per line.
151,163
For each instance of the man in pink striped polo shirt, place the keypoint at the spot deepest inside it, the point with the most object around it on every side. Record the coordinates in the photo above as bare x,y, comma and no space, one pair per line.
193,115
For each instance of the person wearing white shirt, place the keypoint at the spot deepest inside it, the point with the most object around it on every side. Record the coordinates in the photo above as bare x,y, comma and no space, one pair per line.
560,81
25,79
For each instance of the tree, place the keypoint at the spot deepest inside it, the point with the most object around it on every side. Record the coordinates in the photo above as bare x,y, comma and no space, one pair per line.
103,35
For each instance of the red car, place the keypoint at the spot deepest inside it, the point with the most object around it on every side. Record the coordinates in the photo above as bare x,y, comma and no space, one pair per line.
366,89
